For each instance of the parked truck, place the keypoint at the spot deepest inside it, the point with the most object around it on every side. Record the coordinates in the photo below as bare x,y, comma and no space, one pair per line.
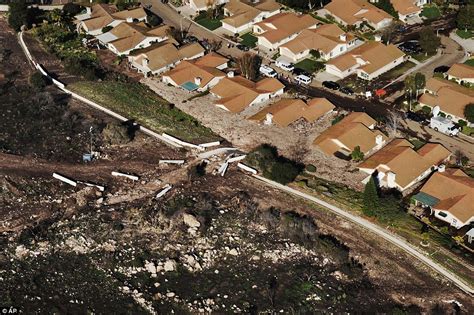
444,125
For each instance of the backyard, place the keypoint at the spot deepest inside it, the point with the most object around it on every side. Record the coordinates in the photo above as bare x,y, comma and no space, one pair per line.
136,101
431,12
309,65
248,40
209,23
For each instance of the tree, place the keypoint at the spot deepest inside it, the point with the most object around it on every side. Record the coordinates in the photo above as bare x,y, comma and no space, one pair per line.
357,155
410,87
72,9
465,18
249,65
420,82
315,53
38,81
393,123
387,6
215,45
388,32
370,198
429,42
469,112
154,20
116,133
18,14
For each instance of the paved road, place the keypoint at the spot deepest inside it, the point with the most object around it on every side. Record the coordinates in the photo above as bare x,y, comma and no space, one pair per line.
377,230
444,25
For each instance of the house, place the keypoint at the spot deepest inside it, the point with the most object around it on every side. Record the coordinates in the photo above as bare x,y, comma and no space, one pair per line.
241,15
369,61
329,40
356,13
125,37
213,60
398,165
450,196
281,28
191,76
102,15
461,73
450,97
203,5
408,8
237,93
354,130
287,111
161,57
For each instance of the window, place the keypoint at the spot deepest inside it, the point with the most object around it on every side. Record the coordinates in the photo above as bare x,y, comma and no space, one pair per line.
442,214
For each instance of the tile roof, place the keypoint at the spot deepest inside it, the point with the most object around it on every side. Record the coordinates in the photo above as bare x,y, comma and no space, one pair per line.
351,131
187,71
129,35
283,25
237,93
353,11
243,12
211,60
103,14
455,191
462,71
287,111
452,98
405,7
400,158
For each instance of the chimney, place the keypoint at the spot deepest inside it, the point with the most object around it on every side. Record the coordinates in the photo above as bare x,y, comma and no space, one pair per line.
146,61
268,119
197,81
378,38
88,10
343,37
230,74
378,140
391,180
441,168
129,20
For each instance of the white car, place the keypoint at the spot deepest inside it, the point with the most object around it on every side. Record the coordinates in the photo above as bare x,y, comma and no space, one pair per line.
303,79
267,71
284,65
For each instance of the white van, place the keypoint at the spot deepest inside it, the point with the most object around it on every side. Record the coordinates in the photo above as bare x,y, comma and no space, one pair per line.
444,125
284,65
303,79
267,71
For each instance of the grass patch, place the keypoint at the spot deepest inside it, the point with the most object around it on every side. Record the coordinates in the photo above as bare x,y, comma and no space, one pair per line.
136,101
421,57
465,34
468,131
431,12
469,62
417,143
249,40
210,24
309,65
397,71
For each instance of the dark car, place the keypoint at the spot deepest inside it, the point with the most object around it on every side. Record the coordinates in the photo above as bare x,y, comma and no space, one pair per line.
299,71
441,69
416,117
347,90
331,85
242,47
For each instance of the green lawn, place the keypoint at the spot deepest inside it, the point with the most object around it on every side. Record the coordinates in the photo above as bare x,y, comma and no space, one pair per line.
135,101
309,65
397,71
465,34
469,131
210,24
249,40
421,57
469,62
430,12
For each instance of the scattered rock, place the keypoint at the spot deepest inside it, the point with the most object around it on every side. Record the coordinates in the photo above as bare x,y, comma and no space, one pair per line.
191,221
170,265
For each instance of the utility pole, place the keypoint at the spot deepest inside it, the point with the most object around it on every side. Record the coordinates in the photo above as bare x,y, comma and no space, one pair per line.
90,132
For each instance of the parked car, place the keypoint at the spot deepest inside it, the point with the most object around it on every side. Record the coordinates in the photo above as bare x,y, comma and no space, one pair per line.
242,47
285,65
441,69
298,71
191,39
267,71
331,85
303,79
415,117
444,125
347,90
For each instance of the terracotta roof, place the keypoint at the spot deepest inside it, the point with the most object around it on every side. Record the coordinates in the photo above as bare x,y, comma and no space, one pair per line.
375,54
283,25
455,192
461,71
399,157
287,111
211,60
243,12
324,38
137,13
452,98
405,7
104,14
351,131
129,35
187,71
161,55
353,11
237,93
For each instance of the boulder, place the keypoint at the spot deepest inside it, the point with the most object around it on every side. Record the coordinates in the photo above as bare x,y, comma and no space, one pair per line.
170,265
191,221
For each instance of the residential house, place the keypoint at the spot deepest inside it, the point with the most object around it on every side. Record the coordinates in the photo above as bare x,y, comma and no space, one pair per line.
203,5
329,40
241,15
398,165
102,15
161,57
450,97
213,60
237,93
408,8
191,76
369,61
450,196
355,130
461,73
286,111
356,13
282,28
125,37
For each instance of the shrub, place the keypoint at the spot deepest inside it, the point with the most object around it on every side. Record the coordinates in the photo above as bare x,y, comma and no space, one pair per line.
72,9
311,168
153,20
462,123
469,112
337,119
357,155
371,198
442,114
106,29
426,110
39,81
116,133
